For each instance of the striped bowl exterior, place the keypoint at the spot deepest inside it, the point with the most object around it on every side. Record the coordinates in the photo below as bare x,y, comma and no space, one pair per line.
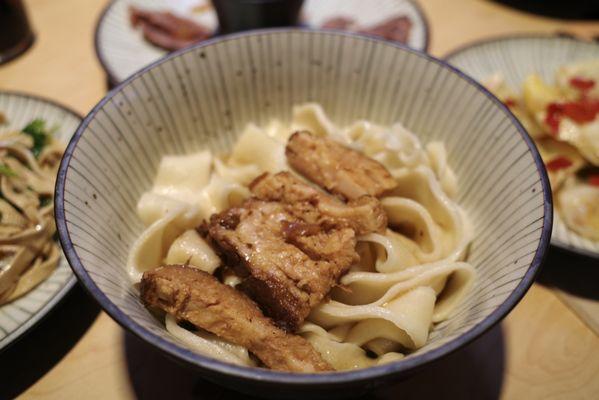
516,57
122,50
203,96
20,315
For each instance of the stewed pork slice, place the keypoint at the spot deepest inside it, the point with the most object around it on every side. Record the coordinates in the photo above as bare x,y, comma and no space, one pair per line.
287,264
167,30
363,214
337,168
200,299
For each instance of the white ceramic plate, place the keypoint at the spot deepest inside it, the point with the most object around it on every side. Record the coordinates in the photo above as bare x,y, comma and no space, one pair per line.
516,57
23,313
122,50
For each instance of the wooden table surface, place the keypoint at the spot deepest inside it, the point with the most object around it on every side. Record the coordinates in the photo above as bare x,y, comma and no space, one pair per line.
541,350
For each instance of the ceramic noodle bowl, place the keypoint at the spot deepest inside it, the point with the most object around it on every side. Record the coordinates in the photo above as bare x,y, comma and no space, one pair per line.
203,97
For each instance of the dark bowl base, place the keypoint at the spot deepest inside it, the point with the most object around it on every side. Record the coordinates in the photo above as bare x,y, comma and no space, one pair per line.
17,50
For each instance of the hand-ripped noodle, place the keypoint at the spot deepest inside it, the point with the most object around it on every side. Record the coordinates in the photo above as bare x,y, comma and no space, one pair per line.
408,278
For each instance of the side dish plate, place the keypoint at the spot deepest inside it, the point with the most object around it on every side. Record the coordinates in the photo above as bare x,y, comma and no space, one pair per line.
23,313
122,49
516,57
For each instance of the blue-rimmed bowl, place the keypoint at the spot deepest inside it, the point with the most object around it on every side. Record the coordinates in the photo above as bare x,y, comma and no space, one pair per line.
203,96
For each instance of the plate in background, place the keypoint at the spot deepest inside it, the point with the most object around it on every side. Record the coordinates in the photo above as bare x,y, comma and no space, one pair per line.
122,50
23,313
515,57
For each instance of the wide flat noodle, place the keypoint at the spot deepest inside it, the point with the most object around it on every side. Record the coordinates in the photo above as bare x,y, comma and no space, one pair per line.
151,207
149,250
395,147
375,288
340,354
242,175
421,186
255,147
191,249
388,253
209,345
221,194
311,117
438,159
407,279
180,200
412,316
183,175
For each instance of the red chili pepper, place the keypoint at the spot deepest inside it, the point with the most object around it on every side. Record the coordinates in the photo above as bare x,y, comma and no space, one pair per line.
554,117
558,163
582,84
594,180
509,102
581,111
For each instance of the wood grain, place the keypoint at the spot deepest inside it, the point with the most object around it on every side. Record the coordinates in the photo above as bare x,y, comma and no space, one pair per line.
551,353
541,350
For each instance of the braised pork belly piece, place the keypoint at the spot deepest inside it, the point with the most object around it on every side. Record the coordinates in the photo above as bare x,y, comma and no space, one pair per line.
167,30
363,214
198,298
288,264
292,242
395,28
337,168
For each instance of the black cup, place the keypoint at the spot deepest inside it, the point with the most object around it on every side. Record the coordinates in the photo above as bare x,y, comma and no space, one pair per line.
243,15
572,9
16,35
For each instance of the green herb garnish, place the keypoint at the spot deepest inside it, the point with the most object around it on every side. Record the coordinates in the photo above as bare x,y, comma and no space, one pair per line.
7,171
37,130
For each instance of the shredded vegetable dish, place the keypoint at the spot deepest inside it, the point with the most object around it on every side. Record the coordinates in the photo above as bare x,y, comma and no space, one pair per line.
29,160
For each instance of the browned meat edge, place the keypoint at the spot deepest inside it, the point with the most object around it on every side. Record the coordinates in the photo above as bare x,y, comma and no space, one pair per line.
285,272
336,167
197,297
